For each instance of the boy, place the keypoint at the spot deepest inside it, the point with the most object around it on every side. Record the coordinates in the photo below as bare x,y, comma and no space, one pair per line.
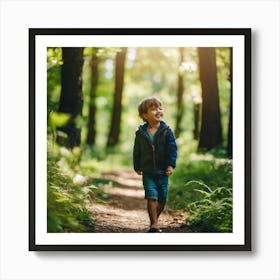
154,157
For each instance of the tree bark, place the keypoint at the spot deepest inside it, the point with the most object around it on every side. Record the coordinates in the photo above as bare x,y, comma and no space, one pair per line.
114,133
71,99
92,104
180,91
196,113
211,130
229,146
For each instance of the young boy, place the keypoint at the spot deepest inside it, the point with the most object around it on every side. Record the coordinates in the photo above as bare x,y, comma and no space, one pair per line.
154,157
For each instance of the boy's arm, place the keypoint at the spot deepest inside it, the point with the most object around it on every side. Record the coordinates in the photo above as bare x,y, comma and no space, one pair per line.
172,149
136,156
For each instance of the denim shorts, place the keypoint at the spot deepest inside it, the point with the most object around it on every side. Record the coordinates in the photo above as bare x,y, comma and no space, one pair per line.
156,187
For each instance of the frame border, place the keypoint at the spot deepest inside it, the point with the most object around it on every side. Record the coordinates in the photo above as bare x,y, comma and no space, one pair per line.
246,32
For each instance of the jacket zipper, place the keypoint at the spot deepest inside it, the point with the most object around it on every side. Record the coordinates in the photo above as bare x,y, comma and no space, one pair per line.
154,156
152,144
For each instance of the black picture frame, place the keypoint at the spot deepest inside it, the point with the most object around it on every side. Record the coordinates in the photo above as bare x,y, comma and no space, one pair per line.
242,34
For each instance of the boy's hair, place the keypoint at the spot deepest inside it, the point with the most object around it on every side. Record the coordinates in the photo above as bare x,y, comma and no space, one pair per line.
146,103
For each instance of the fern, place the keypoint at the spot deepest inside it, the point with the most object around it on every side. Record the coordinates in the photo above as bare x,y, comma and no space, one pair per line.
66,202
213,213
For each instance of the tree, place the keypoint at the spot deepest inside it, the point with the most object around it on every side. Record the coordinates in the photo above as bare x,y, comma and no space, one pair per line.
71,99
196,116
229,146
180,91
114,133
211,130
92,103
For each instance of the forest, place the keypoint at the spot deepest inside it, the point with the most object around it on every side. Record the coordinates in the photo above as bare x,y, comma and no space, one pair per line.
92,99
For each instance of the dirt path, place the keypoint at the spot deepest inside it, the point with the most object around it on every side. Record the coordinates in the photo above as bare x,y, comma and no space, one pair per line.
125,211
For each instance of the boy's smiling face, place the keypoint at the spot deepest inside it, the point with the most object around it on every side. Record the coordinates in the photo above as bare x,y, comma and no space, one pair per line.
154,114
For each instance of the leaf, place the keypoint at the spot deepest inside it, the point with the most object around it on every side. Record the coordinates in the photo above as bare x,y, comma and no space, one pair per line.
203,192
59,119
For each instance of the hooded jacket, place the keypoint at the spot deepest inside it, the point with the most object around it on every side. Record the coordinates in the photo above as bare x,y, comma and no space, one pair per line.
154,156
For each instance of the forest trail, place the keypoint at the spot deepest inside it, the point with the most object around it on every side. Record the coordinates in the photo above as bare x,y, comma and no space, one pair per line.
125,210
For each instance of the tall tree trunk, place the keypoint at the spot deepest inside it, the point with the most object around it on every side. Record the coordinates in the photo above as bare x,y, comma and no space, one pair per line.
196,113
229,147
180,91
71,99
114,133
211,130
92,103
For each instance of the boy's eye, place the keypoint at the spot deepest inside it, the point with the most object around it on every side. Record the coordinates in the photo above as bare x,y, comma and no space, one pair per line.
155,109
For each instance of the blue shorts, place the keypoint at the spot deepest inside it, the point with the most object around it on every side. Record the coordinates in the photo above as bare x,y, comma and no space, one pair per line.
156,187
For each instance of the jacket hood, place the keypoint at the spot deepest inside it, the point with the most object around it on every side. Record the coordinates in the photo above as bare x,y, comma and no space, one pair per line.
144,126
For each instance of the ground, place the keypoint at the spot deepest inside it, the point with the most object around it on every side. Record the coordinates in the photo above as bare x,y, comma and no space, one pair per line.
125,210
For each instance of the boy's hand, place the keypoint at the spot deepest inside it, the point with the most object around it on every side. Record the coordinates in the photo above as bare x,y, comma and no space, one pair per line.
139,172
169,170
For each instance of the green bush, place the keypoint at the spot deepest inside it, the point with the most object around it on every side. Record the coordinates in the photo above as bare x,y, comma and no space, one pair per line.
212,213
209,208
207,169
67,194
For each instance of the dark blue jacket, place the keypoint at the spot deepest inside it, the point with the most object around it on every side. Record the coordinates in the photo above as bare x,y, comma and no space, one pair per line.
154,157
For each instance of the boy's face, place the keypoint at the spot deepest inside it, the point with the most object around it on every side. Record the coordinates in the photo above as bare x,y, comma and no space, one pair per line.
154,114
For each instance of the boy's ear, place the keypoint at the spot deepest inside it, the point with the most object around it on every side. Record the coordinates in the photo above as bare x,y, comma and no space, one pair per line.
143,116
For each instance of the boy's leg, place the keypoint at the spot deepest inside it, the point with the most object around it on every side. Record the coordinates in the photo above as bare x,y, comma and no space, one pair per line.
151,194
152,205
162,193
160,208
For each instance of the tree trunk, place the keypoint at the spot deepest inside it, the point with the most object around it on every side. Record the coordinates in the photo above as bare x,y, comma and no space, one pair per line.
71,99
114,133
92,103
196,113
229,147
180,91
211,130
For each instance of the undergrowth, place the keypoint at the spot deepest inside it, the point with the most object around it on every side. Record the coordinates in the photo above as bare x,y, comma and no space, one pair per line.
202,186
69,191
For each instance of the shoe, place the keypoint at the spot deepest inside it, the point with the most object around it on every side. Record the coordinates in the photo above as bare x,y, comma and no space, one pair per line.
152,229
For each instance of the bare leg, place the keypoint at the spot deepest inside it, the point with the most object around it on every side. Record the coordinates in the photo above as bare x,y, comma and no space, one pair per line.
153,212
160,209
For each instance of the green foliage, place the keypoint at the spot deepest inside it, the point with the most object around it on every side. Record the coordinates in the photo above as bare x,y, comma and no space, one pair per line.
67,194
58,119
213,212
54,62
202,186
203,168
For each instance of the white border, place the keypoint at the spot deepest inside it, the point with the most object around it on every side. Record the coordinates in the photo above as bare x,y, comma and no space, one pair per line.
16,262
235,41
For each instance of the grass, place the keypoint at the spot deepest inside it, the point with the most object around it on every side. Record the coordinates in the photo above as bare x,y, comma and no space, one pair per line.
69,191
213,212
202,186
